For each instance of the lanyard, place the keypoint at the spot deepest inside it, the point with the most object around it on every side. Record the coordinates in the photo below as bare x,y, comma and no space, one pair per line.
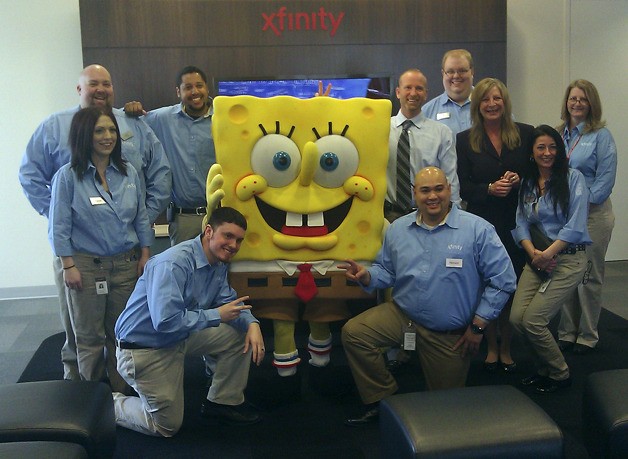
573,146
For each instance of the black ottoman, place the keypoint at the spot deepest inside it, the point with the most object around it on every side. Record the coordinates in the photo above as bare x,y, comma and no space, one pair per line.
605,413
42,450
60,411
472,422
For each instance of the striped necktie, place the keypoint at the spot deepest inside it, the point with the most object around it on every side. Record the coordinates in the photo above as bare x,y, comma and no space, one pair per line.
404,185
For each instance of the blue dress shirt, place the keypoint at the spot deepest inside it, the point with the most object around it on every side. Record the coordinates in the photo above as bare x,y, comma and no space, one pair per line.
444,110
431,144
49,149
84,218
539,210
178,294
595,155
189,145
443,276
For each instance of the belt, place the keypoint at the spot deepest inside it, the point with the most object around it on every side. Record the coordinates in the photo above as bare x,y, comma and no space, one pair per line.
457,331
125,345
192,210
572,249
393,207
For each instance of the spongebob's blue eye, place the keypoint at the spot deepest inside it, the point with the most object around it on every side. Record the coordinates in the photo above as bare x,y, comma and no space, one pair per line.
276,158
338,161
281,161
329,161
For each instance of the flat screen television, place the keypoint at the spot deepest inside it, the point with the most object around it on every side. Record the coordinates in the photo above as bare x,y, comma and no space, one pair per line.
304,88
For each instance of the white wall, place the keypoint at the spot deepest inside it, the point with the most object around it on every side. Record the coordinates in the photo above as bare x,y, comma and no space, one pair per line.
549,44
41,59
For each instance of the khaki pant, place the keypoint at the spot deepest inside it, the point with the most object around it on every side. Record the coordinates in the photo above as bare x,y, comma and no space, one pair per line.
185,227
533,310
68,351
157,376
94,316
365,335
581,313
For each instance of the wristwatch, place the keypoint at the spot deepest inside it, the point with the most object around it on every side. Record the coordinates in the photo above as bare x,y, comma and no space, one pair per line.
476,329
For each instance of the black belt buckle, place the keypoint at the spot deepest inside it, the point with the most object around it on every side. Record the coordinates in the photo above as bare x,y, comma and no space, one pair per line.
572,249
126,345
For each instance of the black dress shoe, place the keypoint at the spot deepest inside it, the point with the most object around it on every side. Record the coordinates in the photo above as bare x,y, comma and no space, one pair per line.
564,346
491,367
533,380
239,415
549,386
393,366
581,349
369,416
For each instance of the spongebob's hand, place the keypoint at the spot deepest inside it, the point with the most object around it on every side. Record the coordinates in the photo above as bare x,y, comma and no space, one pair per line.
213,190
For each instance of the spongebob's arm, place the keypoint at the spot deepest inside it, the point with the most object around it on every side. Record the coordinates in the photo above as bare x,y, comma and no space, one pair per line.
213,190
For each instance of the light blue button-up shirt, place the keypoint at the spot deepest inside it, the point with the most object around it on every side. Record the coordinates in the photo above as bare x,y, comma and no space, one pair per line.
431,144
189,145
84,218
595,155
178,294
442,277
539,210
49,149
444,110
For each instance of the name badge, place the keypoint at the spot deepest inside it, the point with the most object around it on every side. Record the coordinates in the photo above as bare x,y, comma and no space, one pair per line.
453,262
101,286
443,116
97,200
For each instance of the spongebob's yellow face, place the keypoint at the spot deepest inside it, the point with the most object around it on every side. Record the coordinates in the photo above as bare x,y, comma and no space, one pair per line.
308,175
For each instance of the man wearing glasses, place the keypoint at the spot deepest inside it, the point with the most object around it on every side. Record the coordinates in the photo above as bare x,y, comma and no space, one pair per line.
452,107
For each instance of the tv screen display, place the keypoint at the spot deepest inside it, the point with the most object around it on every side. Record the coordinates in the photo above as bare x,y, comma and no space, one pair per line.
341,88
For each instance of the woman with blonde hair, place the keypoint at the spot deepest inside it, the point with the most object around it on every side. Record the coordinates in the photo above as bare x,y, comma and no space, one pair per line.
492,156
591,150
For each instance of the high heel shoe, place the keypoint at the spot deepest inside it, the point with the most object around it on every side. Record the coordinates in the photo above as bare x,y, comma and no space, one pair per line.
509,367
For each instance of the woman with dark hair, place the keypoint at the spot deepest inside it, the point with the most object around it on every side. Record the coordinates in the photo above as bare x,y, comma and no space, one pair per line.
99,228
491,158
590,149
552,229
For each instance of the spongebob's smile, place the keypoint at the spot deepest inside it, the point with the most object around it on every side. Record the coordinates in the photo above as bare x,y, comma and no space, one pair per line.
304,225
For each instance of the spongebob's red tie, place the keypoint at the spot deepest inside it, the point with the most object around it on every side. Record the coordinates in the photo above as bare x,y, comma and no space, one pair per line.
306,288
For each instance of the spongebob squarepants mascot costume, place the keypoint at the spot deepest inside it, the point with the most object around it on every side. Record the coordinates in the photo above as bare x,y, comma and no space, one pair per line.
310,178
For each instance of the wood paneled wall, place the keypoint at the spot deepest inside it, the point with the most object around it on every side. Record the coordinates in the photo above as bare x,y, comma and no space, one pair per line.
144,43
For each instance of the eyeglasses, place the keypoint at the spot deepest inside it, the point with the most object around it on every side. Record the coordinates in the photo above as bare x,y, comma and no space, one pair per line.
582,100
452,72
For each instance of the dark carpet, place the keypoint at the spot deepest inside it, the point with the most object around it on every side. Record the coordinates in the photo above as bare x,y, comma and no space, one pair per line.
313,426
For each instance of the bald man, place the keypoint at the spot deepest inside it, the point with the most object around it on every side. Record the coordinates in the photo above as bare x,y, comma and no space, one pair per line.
450,276
49,149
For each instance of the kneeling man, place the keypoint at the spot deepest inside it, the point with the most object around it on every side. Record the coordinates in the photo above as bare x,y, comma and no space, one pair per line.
183,305
450,275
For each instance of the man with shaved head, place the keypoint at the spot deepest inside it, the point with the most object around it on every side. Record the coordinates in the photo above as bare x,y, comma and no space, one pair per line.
49,149
450,276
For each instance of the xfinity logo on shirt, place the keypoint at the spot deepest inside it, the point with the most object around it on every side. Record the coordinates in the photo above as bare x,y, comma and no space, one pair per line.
281,21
